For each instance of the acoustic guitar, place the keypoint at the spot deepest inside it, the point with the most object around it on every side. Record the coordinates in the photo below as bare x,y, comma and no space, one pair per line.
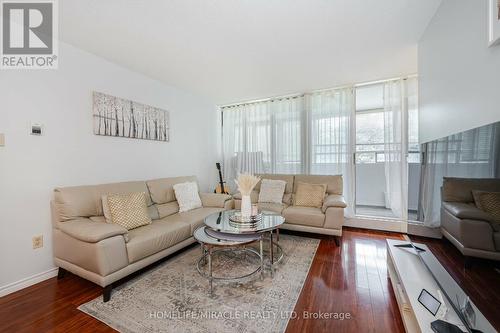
221,187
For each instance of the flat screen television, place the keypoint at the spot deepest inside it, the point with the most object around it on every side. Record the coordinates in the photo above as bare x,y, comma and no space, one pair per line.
474,153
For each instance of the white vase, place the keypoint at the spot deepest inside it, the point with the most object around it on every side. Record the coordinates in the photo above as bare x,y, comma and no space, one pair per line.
246,206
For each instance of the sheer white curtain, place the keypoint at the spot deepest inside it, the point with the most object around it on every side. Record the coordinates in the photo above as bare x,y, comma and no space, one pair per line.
263,137
331,137
288,135
470,154
246,140
395,147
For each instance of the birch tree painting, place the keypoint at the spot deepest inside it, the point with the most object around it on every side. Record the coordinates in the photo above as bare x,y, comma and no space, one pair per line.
114,116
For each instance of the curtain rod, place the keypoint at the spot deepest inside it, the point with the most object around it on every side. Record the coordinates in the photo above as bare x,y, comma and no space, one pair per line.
296,95
269,99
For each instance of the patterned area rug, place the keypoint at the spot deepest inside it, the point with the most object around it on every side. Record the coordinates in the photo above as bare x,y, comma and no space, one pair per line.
173,297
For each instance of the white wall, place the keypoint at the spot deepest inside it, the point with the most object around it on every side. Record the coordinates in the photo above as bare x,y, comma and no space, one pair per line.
459,76
70,154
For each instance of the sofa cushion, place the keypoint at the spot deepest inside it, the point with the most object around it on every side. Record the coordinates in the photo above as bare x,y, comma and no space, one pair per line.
167,209
462,210
460,189
193,218
309,195
272,190
287,198
89,231
155,237
333,200
162,190
129,210
309,216
85,201
334,183
214,199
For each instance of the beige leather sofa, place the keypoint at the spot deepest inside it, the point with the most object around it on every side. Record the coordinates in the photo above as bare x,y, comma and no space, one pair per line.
470,229
103,253
325,220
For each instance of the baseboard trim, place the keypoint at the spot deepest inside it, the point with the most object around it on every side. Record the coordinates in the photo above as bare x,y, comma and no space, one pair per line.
26,282
376,224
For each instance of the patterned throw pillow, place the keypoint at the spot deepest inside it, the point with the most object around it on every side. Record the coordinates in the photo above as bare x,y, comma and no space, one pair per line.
272,191
488,202
152,210
128,210
187,196
309,195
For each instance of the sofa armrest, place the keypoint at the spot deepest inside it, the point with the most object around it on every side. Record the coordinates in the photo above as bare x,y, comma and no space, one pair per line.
465,211
214,199
254,196
333,200
92,232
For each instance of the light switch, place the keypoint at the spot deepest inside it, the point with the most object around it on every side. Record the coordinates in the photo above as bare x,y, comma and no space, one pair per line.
2,139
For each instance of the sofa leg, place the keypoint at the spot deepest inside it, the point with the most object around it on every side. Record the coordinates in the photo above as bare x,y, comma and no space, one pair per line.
61,272
106,293
468,262
336,240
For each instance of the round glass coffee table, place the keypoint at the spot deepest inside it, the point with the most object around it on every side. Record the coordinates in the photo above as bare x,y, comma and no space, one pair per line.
268,224
220,232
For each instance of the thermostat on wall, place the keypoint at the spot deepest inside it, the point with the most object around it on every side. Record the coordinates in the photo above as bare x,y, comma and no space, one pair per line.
36,129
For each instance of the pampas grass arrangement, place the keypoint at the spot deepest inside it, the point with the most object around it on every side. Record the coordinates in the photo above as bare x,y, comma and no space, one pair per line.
246,182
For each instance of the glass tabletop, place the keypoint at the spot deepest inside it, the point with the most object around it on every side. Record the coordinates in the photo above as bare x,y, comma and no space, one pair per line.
220,222
202,236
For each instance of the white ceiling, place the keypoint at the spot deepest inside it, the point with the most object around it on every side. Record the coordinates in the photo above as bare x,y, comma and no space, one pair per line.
235,50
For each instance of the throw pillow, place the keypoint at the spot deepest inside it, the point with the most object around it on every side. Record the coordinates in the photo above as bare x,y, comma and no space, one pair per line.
488,202
187,196
309,195
152,210
272,191
128,210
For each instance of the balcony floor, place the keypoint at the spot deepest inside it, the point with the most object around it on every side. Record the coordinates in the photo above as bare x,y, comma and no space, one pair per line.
379,211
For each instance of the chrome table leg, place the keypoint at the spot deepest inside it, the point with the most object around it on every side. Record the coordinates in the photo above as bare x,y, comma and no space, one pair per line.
261,257
210,278
272,253
203,252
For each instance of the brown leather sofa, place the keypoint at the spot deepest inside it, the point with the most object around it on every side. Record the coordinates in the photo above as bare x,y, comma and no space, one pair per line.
470,229
326,220
103,253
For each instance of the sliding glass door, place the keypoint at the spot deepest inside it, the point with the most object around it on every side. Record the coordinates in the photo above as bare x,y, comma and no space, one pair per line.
387,158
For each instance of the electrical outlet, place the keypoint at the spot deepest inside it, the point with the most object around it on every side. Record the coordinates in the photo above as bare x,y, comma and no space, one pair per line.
37,242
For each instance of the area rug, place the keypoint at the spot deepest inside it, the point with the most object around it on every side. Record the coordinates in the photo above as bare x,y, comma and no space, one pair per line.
173,297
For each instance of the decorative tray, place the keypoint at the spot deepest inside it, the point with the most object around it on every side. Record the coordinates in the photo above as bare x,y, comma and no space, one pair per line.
238,218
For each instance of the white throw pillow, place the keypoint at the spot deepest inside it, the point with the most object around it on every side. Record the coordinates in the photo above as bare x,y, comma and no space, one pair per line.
271,191
187,196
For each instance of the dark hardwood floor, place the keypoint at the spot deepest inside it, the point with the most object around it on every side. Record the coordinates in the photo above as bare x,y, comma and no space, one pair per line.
481,281
350,279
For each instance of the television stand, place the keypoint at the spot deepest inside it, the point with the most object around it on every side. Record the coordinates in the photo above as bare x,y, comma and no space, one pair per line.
409,275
